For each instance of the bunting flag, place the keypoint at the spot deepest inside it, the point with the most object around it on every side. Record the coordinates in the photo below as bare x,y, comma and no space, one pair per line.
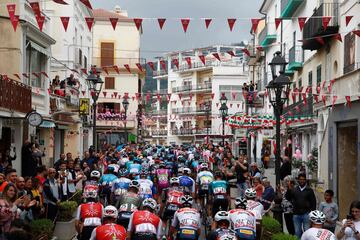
40,21
260,48
17,75
212,95
84,70
233,94
301,21
277,22
207,22
26,75
338,37
304,98
334,101
114,22
202,58
168,97
89,22
105,70
185,23
86,3
320,40
116,68
190,96
325,22
231,22
36,8
45,74
348,101
11,10
217,56
318,89
330,85
151,65
138,23
161,22
180,95
244,50
357,32
316,96
163,64
104,93
61,2
36,74
255,23
65,22
347,20
231,53
324,99
127,67
139,67
15,21
83,92
175,61
188,60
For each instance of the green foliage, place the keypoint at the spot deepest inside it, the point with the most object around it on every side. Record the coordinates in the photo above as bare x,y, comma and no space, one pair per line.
312,162
296,163
77,197
270,227
41,228
283,236
66,211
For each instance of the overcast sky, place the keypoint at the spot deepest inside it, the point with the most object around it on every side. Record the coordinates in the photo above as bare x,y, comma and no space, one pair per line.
155,42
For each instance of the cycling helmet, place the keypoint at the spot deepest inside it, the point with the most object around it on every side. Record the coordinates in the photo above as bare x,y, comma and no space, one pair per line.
122,172
204,166
162,165
218,174
95,174
222,216
110,212
174,180
134,184
186,200
149,202
143,172
317,217
250,193
90,191
240,202
187,171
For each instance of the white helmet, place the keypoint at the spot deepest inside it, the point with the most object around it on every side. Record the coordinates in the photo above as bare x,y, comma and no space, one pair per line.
95,174
90,191
222,216
317,217
149,202
174,180
134,184
186,200
110,211
187,170
240,202
250,193
204,166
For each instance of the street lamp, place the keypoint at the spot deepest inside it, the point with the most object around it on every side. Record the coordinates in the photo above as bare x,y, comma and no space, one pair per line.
95,85
278,90
125,104
207,111
224,112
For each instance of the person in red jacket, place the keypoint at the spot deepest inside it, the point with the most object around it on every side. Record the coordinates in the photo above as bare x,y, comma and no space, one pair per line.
144,224
109,230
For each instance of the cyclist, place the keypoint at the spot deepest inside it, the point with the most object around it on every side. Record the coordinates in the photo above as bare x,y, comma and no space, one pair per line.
120,185
220,191
243,222
89,214
316,231
187,182
145,224
203,180
94,178
109,230
146,188
105,183
186,221
255,207
222,230
162,176
171,199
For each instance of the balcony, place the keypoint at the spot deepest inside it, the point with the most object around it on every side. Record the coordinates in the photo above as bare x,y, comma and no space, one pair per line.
198,87
160,132
195,65
289,7
120,62
15,95
57,103
296,59
69,95
299,109
190,110
313,28
265,39
160,73
109,116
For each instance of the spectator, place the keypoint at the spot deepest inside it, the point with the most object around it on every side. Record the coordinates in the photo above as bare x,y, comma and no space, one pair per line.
241,172
3,183
11,175
52,194
285,169
8,158
71,178
37,194
268,195
59,161
351,225
36,154
303,200
90,160
254,171
55,83
20,186
63,176
287,205
41,174
8,207
27,160
80,176
330,209
259,188
71,81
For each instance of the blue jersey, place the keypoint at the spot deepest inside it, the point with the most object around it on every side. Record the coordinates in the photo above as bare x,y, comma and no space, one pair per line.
107,179
134,168
188,183
120,185
218,187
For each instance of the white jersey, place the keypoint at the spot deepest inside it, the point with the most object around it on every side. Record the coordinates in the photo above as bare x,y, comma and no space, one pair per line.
187,218
256,207
204,177
145,189
318,234
242,219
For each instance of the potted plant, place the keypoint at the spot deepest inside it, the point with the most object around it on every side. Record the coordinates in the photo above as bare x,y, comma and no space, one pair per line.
283,236
42,229
270,226
312,162
65,225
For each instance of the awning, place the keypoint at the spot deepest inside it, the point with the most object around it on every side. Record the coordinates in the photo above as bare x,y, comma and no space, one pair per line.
39,48
47,124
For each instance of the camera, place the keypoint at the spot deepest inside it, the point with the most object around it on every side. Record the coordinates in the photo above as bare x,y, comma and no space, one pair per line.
349,217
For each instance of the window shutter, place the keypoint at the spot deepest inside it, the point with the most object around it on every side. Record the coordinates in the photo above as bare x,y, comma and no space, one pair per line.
109,83
107,54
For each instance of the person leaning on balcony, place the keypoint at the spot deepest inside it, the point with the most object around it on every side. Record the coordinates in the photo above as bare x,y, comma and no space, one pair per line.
55,83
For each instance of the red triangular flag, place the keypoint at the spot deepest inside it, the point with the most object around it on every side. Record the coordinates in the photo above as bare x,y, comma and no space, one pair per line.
36,8
244,50
185,23
89,22
151,65
325,22
11,10
320,40
114,22
301,21
40,21
231,53
316,96
104,94
14,21
116,68
17,75
26,75
216,55
207,22
323,97
163,64
255,23
334,100
260,48
277,22
84,70
83,92
357,32
348,19
175,61
45,74
168,97
348,101
36,74
105,70
138,22
127,67
61,2
65,22
180,95
231,22
161,22
86,3
212,95
139,67
337,36
188,60
202,58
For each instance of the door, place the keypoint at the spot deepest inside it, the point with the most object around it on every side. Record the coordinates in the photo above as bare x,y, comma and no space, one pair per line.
347,160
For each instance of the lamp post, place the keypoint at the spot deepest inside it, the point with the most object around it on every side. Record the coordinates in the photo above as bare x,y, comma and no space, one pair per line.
224,112
278,90
207,111
95,85
139,124
125,104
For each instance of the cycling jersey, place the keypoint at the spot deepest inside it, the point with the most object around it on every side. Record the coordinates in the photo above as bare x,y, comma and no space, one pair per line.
256,207
109,231
91,182
120,186
145,222
243,222
186,218
146,188
163,178
218,187
222,234
134,168
318,234
107,179
128,201
90,213
187,183
204,178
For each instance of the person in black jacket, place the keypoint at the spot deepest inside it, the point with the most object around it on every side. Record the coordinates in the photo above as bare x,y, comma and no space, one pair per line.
52,195
303,200
285,169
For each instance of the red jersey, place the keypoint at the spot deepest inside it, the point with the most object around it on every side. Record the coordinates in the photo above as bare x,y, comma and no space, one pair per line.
110,231
173,196
90,213
145,222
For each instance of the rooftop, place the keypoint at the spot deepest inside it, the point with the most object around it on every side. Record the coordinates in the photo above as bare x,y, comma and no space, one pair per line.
104,15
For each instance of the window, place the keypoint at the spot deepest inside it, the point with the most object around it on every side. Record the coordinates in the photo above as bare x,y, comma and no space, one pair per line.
299,87
109,83
318,75
85,62
107,54
310,78
35,63
229,89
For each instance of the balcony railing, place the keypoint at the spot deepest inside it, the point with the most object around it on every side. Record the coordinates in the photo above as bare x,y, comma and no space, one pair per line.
190,110
161,132
57,103
351,67
314,27
298,108
111,116
234,62
15,95
198,87
186,131
288,7
295,58
159,73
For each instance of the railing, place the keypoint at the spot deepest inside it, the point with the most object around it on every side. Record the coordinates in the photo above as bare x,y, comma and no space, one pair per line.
158,112
15,95
57,103
296,54
187,131
159,73
201,109
161,91
184,88
263,34
234,62
111,116
120,62
162,132
351,67
284,3
298,108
